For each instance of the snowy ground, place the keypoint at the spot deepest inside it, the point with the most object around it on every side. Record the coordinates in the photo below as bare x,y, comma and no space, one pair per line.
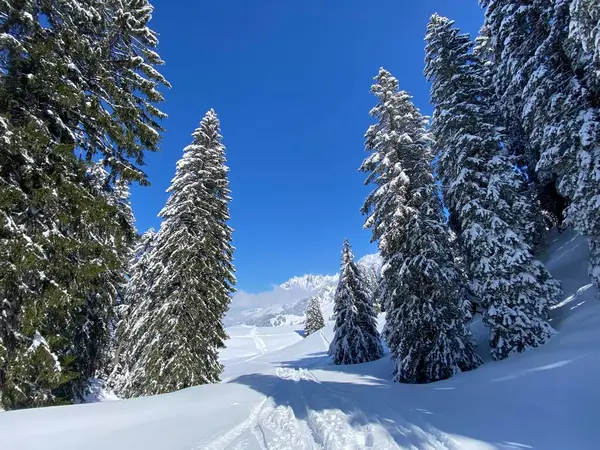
280,392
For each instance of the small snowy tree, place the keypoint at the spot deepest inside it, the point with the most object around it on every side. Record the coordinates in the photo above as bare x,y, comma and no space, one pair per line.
191,272
356,339
426,327
480,188
314,317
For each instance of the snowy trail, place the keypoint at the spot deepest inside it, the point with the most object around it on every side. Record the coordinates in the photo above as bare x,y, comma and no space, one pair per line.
260,344
269,426
328,429
355,427
326,341
308,419
316,406
331,427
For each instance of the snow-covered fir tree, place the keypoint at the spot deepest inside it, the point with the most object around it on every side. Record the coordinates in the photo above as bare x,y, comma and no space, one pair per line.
515,32
96,319
63,64
314,317
481,188
426,323
584,32
556,102
132,333
371,274
355,336
191,271
562,115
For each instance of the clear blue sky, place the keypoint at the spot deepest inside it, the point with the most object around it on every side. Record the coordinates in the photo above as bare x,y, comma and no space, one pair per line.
290,82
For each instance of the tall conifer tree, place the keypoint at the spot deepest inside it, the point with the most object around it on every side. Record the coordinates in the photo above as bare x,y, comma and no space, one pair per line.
481,188
78,79
132,333
562,115
552,92
426,322
515,32
191,272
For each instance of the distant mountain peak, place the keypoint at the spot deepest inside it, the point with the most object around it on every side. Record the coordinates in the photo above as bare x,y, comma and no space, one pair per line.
371,260
297,291
309,283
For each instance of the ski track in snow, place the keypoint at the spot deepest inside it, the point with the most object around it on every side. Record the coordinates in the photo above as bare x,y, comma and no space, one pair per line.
326,342
223,441
336,431
260,344
270,428
273,427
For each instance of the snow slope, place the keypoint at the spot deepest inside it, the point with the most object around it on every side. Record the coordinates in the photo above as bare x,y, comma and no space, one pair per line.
280,392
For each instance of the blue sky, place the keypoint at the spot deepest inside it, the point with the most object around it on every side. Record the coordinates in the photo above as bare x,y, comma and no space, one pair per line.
290,82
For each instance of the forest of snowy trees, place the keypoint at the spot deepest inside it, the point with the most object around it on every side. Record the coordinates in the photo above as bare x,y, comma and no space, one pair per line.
461,203
459,206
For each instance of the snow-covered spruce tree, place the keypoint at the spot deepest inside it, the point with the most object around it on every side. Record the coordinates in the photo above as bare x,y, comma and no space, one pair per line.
96,319
563,118
584,32
534,218
585,36
558,108
314,317
355,336
63,64
515,33
132,333
370,269
426,323
479,186
192,274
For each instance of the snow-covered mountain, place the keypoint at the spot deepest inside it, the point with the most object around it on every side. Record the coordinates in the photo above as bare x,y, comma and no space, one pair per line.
286,304
309,283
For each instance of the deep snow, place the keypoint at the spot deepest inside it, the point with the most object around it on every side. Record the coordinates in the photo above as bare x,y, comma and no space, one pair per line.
281,392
